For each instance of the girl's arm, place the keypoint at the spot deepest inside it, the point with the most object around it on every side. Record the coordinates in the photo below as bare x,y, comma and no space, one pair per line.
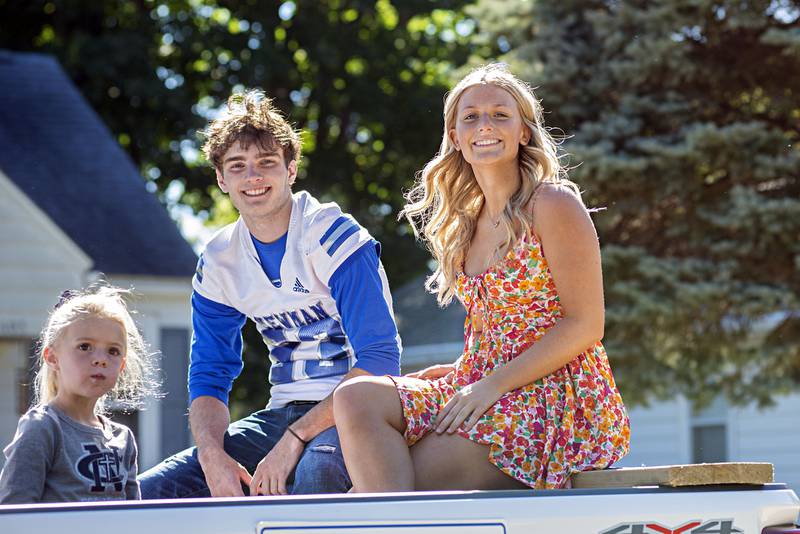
570,244
28,459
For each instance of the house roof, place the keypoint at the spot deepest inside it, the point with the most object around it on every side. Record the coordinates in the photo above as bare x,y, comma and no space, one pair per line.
420,321
57,150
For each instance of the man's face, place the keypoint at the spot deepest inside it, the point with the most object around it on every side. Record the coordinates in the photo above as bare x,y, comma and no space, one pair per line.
257,179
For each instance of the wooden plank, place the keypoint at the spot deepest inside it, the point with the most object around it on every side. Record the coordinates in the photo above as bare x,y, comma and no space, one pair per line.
677,475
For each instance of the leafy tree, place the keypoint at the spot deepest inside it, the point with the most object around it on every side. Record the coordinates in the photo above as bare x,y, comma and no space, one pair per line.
363,79
681,119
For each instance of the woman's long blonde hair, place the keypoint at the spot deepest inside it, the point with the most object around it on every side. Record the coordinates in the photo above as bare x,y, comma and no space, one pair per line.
136,380
444,204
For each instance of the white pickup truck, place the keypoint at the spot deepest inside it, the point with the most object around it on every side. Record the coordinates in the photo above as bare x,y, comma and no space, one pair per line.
746,509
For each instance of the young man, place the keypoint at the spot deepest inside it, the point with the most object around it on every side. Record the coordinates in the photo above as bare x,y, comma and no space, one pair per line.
310,278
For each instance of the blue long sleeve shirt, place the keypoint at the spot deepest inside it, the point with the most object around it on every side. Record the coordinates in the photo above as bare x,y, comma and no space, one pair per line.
357,289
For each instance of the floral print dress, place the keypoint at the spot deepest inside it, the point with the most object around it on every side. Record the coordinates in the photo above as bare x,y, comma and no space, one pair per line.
569,421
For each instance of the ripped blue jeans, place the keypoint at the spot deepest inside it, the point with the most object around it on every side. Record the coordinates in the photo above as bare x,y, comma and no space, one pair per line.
320,469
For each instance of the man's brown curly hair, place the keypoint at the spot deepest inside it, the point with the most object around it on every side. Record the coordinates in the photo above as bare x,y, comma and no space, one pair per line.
250,118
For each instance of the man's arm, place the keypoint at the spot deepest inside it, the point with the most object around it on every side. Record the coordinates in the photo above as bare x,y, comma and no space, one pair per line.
360,290
209,419
215,363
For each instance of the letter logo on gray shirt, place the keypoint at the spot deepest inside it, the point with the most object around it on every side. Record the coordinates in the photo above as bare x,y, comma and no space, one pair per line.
101,467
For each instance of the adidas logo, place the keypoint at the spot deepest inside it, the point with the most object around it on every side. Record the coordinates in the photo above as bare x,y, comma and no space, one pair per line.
299,287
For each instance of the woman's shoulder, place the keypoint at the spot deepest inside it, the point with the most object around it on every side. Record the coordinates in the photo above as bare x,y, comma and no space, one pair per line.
555,201
554,194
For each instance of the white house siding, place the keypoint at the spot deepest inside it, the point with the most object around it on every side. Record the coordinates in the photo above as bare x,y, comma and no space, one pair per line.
659,435
38,261
9,391
769,435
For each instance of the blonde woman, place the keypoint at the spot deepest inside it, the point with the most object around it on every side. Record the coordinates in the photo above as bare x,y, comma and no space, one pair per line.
531,399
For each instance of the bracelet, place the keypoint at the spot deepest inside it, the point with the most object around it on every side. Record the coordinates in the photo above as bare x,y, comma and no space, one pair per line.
292,432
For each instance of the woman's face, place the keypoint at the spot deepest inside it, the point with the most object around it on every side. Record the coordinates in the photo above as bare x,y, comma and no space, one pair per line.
488,128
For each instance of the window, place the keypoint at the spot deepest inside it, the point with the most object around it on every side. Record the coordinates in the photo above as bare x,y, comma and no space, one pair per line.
709,444
174,405
710,433
26,393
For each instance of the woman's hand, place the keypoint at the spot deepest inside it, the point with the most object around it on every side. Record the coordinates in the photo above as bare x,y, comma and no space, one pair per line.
468,405
433,372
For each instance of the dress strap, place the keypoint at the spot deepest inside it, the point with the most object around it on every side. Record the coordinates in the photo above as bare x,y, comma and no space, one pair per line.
534,197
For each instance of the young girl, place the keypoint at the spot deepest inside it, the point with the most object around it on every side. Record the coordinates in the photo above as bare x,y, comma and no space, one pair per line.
64,450
531,400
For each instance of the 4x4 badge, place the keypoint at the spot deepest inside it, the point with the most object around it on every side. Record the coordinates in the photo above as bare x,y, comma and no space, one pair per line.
717,526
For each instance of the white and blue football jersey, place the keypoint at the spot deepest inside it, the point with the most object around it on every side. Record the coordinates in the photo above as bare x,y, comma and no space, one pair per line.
297,317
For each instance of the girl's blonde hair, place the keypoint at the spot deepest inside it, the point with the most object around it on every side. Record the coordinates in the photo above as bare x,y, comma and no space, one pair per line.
136,380
445,201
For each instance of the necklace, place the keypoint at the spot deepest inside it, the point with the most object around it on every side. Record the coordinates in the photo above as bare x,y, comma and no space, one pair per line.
494,222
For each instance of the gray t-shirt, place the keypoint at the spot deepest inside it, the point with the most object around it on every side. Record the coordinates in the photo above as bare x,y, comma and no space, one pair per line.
54,458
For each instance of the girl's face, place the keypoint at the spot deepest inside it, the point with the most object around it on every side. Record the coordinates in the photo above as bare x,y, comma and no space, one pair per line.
88,355
489,127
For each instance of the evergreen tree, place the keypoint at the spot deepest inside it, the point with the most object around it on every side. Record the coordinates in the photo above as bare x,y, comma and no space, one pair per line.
681,119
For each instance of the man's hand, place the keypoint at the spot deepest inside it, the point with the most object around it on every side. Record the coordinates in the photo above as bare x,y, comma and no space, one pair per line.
209,418
433,372
273,470
224,475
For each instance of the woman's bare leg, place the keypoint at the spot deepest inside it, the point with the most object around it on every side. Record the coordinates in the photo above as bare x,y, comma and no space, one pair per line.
369,418
451,462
